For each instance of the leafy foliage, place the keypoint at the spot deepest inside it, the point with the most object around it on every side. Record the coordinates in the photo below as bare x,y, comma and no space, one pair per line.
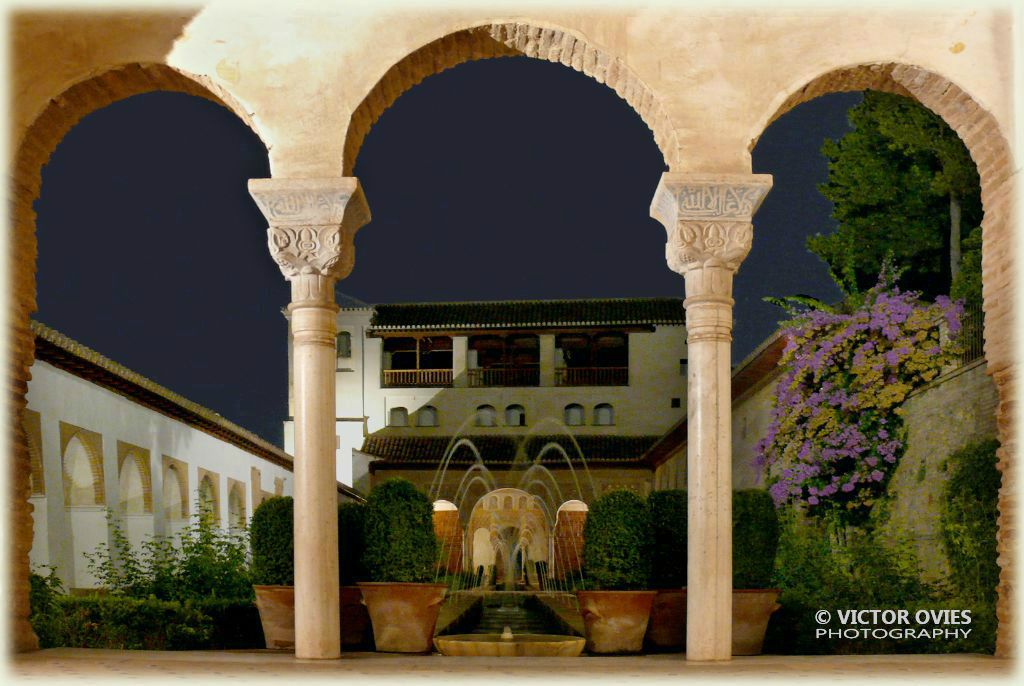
398,532
836,433
893,180
668,530
272,538
755,535
43,594
203,561
968,520
617,542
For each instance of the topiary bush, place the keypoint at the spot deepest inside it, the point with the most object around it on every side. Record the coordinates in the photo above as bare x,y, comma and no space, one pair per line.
668,532
617,542
755,538
968,519
350,543
272,541
398,532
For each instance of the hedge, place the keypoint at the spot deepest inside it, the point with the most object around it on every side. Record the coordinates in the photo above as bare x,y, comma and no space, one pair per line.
668,528
398,530
755,538
617,542
272,540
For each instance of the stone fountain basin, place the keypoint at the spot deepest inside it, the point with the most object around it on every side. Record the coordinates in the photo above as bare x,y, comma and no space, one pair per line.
520,645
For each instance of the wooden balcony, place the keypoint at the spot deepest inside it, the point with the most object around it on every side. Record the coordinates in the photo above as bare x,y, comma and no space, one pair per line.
504,376
408,378
592,376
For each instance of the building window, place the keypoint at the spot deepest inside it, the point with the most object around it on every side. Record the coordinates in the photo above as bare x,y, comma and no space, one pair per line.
131,490
343,344
398,416
208,499
604,415
427,416
682,365
486,416
515,415
174,497
574,415
677,402
236,506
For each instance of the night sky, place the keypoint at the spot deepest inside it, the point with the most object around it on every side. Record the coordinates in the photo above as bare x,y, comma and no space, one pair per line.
498,179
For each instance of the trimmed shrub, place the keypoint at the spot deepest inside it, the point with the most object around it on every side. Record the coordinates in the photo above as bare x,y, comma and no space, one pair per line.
755,537
617,542
122,623
398,531
668,530
271,537
968,520
350,543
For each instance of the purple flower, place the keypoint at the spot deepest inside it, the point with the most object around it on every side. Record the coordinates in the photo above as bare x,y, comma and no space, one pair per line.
847,487
877,475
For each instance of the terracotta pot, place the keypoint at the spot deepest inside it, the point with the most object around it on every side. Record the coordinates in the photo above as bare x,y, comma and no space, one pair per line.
355,620
403,615
666,630
615,621
277,615
750,612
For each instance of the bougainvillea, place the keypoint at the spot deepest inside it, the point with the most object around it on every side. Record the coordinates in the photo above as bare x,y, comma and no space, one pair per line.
836,431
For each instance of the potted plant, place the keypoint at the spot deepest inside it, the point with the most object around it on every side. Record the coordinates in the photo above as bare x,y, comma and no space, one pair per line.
616,561
666,630
755,535
271,537
273,570
399,556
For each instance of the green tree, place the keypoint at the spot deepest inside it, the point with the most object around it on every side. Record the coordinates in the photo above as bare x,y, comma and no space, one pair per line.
902,184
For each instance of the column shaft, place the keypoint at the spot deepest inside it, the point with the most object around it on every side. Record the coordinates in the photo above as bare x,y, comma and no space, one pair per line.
317,614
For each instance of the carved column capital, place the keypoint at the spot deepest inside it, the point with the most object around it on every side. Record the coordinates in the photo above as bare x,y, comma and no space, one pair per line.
312,226
708,217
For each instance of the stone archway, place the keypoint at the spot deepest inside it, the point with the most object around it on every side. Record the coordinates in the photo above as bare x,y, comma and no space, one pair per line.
989,149
31,152
509,40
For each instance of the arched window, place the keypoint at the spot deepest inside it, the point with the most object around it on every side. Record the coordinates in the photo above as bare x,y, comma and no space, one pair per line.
343,344
207,497
173,494
515,415
574,415
486,415
80,485
604,415
131,493
398,416
426,416
236,507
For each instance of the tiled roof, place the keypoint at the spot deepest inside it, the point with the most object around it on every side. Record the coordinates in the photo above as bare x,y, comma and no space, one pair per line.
60,351
511,314
428,451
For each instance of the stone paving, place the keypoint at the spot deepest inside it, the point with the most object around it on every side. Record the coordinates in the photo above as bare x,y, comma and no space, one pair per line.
100,666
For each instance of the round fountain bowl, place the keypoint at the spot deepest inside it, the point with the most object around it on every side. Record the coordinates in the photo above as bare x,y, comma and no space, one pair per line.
520,645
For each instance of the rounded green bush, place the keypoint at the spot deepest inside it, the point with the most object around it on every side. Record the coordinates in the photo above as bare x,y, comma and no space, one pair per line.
271,538
398,532
755,538
668,532
617,542
968,519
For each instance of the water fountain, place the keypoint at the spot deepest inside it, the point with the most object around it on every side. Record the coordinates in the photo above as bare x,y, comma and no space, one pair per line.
516,524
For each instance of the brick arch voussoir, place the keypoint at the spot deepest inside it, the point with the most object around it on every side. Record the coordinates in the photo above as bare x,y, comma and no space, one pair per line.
988,146
508,40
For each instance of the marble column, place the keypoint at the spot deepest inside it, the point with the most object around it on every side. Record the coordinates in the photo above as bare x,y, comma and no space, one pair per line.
708,221
312,225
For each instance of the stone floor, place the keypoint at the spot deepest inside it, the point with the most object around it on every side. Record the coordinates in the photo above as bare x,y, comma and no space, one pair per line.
99,666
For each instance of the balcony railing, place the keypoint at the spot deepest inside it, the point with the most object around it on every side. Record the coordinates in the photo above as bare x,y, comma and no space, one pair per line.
399,378
504,376
592,376
971,338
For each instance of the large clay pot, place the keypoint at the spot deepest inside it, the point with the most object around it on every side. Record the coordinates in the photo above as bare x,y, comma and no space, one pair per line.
615,621
750,612
277,615
666,630
355,620
403,615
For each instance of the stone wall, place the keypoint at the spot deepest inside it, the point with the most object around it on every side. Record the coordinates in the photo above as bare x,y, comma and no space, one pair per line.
954,410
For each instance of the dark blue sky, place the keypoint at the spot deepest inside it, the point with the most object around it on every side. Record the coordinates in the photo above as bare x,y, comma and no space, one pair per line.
498,179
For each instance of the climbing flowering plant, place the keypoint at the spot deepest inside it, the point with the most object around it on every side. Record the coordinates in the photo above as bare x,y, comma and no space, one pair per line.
836,431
